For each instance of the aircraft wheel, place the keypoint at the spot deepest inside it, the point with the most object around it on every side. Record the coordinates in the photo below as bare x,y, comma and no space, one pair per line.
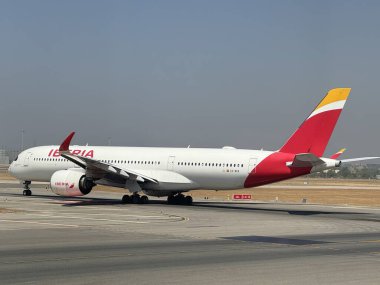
126,199
171,199
144,199
180,199
27,193
188,200
136,199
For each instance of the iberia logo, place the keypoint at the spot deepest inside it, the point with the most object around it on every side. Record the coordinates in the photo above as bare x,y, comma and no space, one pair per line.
81,152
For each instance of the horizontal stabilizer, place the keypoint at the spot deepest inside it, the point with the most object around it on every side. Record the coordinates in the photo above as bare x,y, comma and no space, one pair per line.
305,160
358,159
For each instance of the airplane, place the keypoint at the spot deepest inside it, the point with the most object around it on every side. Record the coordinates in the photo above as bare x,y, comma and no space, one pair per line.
170,172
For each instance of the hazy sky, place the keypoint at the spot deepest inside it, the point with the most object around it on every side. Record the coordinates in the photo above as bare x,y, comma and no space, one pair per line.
178,73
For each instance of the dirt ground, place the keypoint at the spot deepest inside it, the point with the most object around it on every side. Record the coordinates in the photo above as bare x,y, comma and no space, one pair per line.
355,197
6,176
310,190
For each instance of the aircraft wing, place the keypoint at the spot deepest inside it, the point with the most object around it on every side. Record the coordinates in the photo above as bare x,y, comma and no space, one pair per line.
305,160
98,169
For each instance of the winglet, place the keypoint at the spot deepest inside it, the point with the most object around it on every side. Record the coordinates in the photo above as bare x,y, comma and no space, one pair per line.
64,147
336,155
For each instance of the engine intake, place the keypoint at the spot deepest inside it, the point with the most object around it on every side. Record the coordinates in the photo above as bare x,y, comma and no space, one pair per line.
71,183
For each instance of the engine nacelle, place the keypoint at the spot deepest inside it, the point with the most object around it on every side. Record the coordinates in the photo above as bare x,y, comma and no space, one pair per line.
70,183
328,164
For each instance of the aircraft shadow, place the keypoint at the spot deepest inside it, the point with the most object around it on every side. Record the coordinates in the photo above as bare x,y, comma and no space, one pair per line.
252,207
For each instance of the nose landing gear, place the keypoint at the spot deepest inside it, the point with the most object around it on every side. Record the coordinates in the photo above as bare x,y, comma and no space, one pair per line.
27,191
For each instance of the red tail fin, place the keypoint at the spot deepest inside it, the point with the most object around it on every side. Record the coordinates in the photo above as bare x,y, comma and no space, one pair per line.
314,133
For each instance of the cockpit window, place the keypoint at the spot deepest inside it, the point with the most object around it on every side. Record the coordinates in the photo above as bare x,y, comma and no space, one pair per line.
16,158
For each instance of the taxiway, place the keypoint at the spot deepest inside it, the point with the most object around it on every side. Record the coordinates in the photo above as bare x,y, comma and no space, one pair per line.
47,239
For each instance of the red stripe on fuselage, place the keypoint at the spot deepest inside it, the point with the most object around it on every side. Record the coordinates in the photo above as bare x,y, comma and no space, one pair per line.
273,168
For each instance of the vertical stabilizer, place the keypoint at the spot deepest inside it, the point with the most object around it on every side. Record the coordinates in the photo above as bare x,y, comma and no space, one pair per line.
314,133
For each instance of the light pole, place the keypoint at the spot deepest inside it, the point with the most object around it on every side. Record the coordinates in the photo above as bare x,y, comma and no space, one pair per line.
22,139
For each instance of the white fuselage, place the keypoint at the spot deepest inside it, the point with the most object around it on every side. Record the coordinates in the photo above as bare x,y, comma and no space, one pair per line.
176,168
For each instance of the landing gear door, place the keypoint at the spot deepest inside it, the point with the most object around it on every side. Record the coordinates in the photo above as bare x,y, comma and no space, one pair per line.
27,158
171,162
252,165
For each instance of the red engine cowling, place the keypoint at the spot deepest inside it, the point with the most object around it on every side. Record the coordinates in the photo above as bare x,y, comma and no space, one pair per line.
70,183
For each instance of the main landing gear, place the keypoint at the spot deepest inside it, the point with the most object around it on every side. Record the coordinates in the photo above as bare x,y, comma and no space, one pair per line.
180,199
135,199
27,191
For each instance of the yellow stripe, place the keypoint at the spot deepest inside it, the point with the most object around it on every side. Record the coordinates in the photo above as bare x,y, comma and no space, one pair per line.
334,95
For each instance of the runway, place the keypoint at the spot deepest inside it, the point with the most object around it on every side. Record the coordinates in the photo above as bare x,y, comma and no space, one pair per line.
46,239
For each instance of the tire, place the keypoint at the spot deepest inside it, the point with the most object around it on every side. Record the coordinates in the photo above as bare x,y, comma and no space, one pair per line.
188,200
136,199
126,199
171,199
144,200
180,199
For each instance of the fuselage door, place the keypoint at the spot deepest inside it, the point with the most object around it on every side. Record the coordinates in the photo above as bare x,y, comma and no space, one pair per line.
171,162
252,164
27,158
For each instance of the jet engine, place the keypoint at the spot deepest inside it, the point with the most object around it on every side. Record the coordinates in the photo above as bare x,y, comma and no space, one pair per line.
71,183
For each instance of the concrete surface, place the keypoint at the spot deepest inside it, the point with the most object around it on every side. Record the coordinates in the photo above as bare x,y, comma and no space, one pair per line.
45,239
